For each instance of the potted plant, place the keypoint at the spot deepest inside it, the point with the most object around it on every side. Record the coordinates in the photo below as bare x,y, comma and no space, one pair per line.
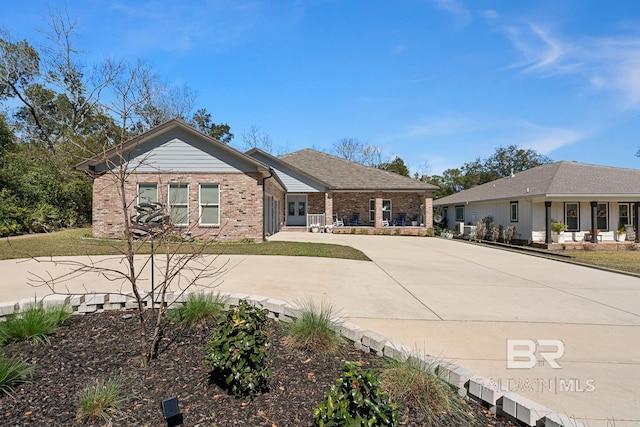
414,220
622,233
556,231
447,234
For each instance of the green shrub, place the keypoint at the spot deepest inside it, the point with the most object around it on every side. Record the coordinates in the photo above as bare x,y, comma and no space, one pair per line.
430,232
415,385
197,308
356,400
12,373
239,350
314,330
33,324
100,401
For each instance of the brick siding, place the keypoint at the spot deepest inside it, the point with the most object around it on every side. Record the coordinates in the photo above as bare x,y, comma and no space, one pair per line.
241,201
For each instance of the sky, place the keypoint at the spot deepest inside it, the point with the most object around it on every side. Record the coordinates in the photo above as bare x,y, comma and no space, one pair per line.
436,82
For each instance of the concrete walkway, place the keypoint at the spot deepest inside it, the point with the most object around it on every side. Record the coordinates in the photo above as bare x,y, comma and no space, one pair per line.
454,300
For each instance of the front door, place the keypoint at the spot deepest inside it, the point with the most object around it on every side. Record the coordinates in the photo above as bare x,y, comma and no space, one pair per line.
296,209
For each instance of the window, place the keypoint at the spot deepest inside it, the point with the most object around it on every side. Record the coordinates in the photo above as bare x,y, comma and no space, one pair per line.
372,210
147,192
513,211
460,213
572,216
602,216
386,210
626,214
179,204
209,204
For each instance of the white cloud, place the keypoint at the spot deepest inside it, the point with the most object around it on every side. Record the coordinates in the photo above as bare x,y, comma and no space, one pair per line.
460,13
604,63
546,139
539,50
489,14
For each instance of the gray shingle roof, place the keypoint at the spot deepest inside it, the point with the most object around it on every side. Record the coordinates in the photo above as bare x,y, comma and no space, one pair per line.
341,174
554,179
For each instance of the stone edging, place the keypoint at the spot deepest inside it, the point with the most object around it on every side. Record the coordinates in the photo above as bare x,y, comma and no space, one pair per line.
485,391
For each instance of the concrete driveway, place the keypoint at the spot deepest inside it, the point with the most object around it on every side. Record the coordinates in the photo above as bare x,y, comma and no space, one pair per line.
462,302
453,300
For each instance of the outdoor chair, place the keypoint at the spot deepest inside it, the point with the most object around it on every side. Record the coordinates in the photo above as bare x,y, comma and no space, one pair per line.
631,234
355,219
337,222
401,219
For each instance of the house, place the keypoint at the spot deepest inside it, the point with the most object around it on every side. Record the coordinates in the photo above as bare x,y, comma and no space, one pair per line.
594,202
320,183
217,192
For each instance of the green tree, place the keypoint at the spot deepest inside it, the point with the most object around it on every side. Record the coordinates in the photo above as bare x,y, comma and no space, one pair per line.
397,165
511,159
201,120
500,164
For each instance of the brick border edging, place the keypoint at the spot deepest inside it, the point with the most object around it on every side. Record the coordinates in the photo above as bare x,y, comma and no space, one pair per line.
483,390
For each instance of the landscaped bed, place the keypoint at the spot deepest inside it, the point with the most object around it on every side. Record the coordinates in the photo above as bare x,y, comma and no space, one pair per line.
105,346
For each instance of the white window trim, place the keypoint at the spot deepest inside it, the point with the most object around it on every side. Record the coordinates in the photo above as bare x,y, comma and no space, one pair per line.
390,209
566,215
372,212
511,205
456,213
147,183
170,204
607,213
200,204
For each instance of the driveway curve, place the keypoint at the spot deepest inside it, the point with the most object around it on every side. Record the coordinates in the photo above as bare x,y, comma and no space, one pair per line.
465,301
451,299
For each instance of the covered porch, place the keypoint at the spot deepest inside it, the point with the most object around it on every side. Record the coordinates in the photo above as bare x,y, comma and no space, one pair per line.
597,222
377,209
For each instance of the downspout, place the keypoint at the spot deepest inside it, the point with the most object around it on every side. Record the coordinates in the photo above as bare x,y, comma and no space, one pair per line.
264,203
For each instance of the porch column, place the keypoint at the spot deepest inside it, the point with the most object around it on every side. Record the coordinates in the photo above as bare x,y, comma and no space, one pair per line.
328,208
547,222
428,209
378,212
636,221
594,222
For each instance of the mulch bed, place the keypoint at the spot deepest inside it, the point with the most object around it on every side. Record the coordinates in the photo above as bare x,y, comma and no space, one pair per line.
104,345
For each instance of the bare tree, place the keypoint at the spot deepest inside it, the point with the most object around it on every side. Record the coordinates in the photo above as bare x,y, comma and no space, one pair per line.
371,156
256,138
183,262
354,150
348,148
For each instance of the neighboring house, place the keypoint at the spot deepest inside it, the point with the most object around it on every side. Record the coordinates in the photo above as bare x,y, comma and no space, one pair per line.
218,192
590,200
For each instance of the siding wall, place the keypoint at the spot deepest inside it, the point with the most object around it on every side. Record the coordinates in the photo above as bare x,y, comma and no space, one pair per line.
241,202
179,150
294,181
531,214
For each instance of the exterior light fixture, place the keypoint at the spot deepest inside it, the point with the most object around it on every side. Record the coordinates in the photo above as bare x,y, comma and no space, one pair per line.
171,412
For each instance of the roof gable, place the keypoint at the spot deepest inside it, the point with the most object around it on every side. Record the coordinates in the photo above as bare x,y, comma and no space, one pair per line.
294,179
176,146
341,174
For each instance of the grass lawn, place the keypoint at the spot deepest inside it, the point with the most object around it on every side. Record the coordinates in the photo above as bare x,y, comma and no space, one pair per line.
79,242
618,260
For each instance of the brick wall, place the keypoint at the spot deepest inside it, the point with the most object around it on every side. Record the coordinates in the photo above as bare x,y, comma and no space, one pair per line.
241,202
344,204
